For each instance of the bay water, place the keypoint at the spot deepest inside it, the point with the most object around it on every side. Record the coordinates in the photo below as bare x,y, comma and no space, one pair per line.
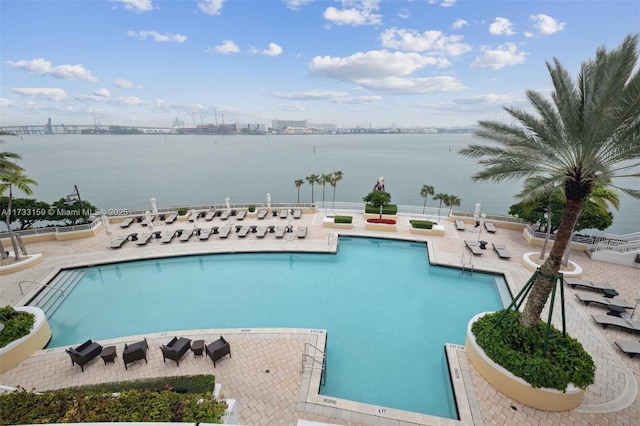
126,171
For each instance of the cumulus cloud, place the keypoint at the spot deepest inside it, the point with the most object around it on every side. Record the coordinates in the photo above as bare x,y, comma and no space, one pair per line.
293,107
310,95
501,26
546,25
459,23
357,100
125,84
409,86
51,94
139,6
486,99
44,67
444,3
297,4
404,13
505,55
211,7
102,93
156,36
273,50
362,13
227,47
429,41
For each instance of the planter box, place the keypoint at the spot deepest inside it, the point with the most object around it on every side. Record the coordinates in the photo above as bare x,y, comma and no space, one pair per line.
329,223
376,216
514,387
380,227
436,231
19,350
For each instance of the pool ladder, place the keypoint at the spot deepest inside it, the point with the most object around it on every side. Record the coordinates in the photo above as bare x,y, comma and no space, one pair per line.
467,264
318,359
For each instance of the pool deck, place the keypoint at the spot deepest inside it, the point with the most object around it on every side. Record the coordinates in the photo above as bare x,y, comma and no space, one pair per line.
264,373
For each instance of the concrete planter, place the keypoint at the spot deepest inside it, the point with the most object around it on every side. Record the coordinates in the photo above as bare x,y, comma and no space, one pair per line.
436,231
381,227
19,350
329,223
516,388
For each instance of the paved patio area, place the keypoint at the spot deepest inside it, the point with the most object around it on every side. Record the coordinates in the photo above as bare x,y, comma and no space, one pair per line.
273,397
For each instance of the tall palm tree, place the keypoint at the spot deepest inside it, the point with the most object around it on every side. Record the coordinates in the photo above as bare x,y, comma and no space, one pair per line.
587,134
442,198
335,178
298,184
8,168
312,180
324,180
452,201
21,182
424,193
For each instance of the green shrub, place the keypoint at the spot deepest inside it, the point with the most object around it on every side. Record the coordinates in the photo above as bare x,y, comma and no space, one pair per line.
343,219
422,224
519,350
132,403
182,211
17,324
252,208
182,384
391,209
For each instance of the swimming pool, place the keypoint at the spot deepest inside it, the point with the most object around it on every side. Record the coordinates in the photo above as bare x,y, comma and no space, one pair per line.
387,312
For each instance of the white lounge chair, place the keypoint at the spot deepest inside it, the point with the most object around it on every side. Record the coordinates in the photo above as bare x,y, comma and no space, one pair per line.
460,225
606,301
186,235
144,238
284,213
167,236
302,231
224,231
172,218
628,347
241,215
225,215
297,214
262,231
119,241
280,231
209,216
262,214
502,251
490,227
474,247
606,320
126,223
205,234
605,288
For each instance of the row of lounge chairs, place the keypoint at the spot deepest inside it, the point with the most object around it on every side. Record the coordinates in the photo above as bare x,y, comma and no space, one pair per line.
128,221
174,350
282,213
477,247
461,226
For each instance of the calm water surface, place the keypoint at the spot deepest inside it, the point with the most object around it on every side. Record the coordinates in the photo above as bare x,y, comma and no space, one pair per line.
126,171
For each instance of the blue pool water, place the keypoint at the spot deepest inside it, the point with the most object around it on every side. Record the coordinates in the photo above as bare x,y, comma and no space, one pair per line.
387,312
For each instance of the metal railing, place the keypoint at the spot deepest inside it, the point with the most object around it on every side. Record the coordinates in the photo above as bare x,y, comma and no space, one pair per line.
314,360
40,284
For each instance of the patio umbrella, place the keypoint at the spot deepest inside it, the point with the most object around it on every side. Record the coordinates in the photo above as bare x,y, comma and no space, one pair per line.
482,216
105,223
268,201
147,216
476,215
154,208
228,202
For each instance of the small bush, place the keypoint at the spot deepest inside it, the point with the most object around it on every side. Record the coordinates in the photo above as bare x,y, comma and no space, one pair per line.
390,209
343,219
383,221
519,350
17,324
182,211
422,224
182,384
252,208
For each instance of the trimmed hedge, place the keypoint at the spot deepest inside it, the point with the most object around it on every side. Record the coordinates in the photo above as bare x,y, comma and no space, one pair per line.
422,224
519,350
343,219
182,211
390,209
201,383
133,402
17,324
383,221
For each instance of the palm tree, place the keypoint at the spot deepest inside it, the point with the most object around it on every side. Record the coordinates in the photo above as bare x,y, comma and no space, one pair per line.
442,198
588,133
425,192
312,180
324,179
335,178
451,201
8,168
298,184
21,182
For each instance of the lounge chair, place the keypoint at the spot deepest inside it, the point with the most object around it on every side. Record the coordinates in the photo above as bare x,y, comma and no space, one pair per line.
243,231
502,251
284,213
606,301
209,216
185,235
119,241
135,352
606,320
608,291
84,353
460,225
167,236
262,231
225,215
217,349
175,349
224,231
205,234
490,227
172,218
280,231
144,238
241,215
297,214
126,223
474,247
628,347
302,231
262,214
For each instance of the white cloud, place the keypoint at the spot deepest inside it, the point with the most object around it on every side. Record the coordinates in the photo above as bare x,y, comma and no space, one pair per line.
273,50
484,100
357,100
444,3
505,55
137,5
459,23
4,102
44,67
297,4
501,26
41,92
227,47
546,25
102,93
125,84
310,95
156,36
404,13
362,13
429,41
419,85
211,7
293,107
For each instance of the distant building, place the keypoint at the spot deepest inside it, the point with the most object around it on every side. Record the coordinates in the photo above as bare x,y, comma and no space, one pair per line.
253,129
280,126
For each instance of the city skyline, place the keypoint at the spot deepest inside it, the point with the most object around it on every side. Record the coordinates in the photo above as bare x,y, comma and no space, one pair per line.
353,63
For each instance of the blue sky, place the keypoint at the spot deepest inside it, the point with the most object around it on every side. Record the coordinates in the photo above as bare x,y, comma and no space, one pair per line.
350,63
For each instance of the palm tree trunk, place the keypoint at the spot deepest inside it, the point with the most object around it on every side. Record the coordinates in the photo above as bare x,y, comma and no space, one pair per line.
549,270
14,243
424,206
